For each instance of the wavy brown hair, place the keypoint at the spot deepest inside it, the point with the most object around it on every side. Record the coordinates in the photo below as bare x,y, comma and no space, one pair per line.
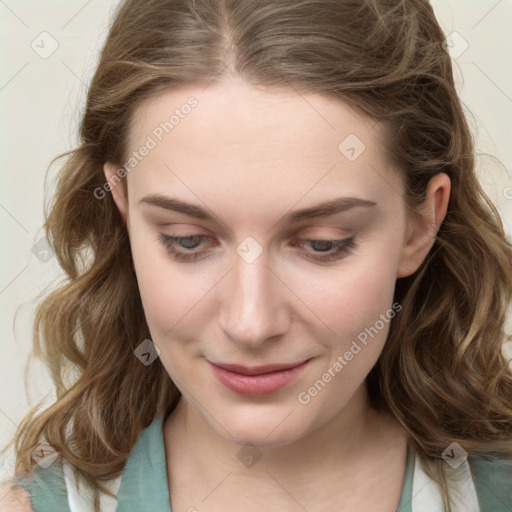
442,372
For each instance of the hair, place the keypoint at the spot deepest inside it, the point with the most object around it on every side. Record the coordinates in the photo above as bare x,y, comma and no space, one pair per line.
442,372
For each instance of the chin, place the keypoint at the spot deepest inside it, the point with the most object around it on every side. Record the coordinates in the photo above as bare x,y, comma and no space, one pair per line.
263,431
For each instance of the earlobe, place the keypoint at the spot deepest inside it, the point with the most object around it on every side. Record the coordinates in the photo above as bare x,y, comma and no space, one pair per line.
116,188
423,226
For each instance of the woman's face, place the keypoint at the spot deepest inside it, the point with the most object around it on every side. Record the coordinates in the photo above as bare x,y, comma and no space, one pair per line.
261,277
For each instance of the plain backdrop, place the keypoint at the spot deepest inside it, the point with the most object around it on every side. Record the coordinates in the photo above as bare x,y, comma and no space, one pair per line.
49,52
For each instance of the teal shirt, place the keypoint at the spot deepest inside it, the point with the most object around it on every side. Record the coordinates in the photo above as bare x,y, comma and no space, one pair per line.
144,486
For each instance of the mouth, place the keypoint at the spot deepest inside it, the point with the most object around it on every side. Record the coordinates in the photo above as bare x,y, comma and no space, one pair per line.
257,370
257,380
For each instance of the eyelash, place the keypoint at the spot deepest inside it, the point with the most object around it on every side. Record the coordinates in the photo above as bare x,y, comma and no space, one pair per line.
341,248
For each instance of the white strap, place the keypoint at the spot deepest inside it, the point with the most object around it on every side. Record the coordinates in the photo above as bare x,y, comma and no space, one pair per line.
426,494
81,500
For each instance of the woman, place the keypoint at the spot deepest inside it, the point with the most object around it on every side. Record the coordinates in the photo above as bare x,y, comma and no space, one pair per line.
286,286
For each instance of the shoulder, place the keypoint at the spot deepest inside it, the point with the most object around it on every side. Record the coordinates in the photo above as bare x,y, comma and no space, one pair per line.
42,489
54,488
14,499
492,477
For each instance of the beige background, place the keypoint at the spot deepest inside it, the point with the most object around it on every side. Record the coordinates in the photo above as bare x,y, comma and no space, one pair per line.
41,97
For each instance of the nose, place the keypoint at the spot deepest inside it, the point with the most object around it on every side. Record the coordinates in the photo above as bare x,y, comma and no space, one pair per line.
253,308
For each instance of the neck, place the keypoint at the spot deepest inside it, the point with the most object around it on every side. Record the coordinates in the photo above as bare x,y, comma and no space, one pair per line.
341,446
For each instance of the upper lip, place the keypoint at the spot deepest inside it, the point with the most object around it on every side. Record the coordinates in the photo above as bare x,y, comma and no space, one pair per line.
257,370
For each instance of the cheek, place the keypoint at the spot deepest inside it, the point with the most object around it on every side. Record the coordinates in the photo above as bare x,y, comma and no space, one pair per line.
351,296
166,292
356,305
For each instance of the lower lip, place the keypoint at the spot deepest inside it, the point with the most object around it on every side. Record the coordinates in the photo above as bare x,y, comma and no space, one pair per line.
257,385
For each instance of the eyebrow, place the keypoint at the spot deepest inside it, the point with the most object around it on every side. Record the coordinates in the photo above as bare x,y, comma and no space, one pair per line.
324,209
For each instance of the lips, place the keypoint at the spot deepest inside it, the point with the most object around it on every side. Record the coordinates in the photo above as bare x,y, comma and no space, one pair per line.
257,370
257,380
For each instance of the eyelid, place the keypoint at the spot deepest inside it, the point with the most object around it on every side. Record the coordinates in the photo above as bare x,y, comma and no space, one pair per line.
341,248
190,230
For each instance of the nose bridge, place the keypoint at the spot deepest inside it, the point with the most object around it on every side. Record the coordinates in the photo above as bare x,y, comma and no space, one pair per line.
252,310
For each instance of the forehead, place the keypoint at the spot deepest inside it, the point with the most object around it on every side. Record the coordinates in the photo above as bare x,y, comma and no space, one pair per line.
234,137
237,112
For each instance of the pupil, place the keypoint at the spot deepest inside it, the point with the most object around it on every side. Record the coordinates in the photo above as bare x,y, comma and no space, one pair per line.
188,238
322,245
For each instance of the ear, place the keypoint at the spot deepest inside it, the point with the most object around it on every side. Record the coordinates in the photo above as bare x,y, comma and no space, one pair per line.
116,188
423,226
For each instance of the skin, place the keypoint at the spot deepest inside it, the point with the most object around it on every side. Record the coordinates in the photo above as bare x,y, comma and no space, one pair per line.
249,156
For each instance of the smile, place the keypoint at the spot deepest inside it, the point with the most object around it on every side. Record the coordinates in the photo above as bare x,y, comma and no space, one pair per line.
257,381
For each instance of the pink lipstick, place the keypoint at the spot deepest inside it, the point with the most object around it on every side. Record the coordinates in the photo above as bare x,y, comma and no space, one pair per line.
257,380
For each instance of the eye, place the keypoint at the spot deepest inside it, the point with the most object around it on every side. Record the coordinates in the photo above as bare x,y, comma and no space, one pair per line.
189,243
329,250
184,248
